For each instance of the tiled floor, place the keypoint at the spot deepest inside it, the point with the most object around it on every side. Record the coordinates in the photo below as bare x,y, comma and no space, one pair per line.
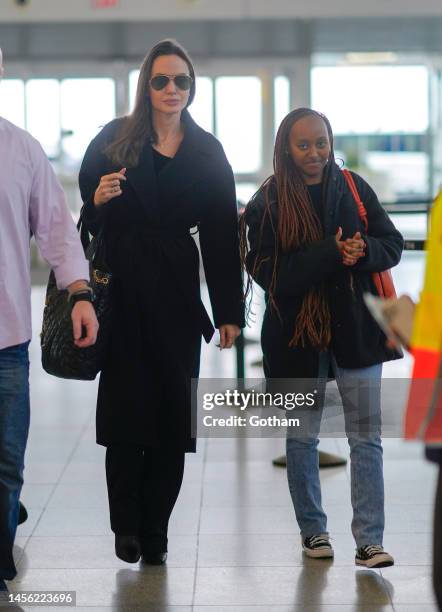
234,543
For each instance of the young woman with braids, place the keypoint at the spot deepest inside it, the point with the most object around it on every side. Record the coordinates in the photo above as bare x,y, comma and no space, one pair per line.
307,249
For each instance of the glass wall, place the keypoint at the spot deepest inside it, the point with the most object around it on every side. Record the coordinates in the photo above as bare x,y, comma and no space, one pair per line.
239,121
43,114
380,117
63,114
282,100
12,101
86,105
201,108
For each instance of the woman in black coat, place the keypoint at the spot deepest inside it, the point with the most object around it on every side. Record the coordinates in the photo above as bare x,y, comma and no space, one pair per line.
146,180
309,251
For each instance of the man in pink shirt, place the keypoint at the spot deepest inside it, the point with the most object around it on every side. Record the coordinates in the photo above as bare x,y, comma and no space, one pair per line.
31,202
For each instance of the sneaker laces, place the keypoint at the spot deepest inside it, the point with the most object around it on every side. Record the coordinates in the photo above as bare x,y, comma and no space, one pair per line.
318,540
373,549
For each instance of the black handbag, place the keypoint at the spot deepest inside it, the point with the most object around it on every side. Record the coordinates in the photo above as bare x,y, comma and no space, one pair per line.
59,355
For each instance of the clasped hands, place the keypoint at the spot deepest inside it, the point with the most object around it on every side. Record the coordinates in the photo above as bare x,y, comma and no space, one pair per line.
351,249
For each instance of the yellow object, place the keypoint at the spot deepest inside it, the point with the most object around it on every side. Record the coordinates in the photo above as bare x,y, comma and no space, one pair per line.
427,329
424,410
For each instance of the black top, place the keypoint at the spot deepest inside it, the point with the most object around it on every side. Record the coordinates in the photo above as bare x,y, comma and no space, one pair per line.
315,193
159,161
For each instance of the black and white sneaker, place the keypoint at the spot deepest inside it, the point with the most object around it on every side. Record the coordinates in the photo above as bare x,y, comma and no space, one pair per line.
318,546
373,556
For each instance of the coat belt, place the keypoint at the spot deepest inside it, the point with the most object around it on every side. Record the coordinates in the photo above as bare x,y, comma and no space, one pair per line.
141,254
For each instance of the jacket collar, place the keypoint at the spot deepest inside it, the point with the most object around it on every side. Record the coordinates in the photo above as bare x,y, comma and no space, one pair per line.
189,165
192,161
198,138
142,177
333,196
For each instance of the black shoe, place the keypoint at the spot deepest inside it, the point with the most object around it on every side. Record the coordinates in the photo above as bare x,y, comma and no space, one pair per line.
154,558
326,460
127,548
3,587
280,461
373,556
22,514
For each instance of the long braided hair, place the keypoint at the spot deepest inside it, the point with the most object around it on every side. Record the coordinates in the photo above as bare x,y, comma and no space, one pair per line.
297,225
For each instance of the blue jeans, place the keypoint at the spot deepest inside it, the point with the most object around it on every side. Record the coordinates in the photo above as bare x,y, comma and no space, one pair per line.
14,427
360,391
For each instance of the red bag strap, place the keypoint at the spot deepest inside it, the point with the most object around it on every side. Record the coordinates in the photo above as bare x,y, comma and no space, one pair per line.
354,190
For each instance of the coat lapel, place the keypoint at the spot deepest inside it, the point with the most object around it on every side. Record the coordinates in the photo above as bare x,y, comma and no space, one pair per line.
143,180
332,202
190,163
189,166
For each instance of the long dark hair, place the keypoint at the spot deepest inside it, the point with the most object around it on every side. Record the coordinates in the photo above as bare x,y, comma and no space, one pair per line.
297,225
137,127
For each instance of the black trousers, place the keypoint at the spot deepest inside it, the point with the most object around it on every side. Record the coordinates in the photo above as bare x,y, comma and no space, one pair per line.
437,542
143,486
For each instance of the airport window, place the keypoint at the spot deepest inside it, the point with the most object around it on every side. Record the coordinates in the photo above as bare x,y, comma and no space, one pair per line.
372,99
244,192
133,81
380,118
201,108
282,99
12,101
86,105
239,121
43,114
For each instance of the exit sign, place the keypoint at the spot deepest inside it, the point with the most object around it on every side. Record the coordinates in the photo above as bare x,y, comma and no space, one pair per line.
105,3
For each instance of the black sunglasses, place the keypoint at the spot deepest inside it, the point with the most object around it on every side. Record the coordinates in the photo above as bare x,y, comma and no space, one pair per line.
182,81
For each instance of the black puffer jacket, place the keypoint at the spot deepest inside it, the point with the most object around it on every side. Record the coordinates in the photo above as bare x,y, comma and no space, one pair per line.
357,341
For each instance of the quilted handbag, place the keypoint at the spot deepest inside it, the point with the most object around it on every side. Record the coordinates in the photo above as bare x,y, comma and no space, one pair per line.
60,356
382,280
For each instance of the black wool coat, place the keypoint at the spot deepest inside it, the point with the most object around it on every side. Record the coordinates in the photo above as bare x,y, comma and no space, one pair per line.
357,341
159,318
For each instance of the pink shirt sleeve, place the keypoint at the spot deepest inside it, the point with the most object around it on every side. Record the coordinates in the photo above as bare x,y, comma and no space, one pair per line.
52,224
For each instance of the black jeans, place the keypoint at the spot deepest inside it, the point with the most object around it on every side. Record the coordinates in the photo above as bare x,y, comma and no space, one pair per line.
143,486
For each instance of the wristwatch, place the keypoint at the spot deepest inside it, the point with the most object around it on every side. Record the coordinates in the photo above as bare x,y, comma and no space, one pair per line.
83,295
